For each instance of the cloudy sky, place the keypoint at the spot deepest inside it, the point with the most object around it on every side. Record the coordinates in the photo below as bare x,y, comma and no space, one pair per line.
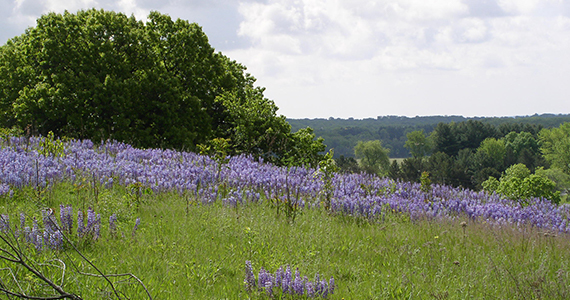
362,58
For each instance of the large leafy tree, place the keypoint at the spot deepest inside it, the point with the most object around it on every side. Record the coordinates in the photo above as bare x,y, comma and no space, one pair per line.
519,184
418,144
373,157
104,75
555,145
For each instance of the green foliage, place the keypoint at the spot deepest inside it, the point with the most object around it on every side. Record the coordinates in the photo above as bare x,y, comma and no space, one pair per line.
373,157
6,133
102,75
411,169
561,179
343,134
555,145
347,164
418,144
494,149
491,185
394,172
425,182
303,149
519,184
50,146
523,147
326,172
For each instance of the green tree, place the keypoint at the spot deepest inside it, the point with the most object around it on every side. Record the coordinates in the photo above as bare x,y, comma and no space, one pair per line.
555,145
561,179
347,164
373,157
418,144
523,148
102,75
444,139
439,167
394,171
494,149
519,184
411,169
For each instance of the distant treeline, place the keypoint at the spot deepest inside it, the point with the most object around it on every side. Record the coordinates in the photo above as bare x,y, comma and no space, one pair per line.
342,135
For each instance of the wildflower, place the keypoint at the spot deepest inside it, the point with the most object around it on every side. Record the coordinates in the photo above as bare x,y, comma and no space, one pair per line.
22,220
249,277
80,224
286,283
113,224
263,277
269,288
298,284
4,223
66,219
137,223
97,227
56,240
310,288
35,236
50,222
91,221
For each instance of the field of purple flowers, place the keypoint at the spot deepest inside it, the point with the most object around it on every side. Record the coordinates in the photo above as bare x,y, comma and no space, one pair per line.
202,217
32,162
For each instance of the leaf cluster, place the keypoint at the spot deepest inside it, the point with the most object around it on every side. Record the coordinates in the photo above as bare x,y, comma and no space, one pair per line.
519,184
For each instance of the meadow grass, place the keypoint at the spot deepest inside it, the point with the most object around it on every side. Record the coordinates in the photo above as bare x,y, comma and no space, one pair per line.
184,249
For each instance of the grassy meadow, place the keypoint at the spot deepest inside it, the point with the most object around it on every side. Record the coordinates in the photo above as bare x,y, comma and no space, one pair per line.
161,224
184,249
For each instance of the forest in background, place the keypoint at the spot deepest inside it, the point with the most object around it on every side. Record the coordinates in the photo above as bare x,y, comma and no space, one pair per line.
342,135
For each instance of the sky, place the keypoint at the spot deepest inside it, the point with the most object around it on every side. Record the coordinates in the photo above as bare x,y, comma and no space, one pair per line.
363,59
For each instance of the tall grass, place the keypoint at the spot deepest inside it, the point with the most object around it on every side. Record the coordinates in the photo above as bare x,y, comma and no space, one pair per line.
200,252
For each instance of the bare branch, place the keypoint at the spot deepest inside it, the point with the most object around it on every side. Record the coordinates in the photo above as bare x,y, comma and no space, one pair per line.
14,277
85,258
18,259
121,275
22,296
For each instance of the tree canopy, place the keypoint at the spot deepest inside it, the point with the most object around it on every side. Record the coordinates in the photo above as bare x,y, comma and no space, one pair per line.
373,157
556,146
103,75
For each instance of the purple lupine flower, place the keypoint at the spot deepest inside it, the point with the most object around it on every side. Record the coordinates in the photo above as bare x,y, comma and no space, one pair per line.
66,219
137,223
113,224
35,236
97,227
269,288
262,278
310,288
298,284
331,285
287,281
279,274
50,222
249,277
80,223
91,221
22,221
28,234
55,240
323,288
318,287
4,223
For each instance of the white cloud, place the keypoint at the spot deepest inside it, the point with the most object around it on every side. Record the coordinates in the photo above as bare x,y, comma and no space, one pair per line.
404,44
411,57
